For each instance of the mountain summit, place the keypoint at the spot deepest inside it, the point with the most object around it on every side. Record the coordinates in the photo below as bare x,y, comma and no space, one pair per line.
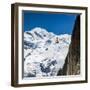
44,52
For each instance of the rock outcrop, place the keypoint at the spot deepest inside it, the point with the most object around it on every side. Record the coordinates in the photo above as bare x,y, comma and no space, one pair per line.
72,62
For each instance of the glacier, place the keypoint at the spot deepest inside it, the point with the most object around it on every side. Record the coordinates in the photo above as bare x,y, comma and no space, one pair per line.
44,52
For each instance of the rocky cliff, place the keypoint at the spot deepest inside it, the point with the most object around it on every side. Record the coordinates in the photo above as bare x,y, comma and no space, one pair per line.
72,62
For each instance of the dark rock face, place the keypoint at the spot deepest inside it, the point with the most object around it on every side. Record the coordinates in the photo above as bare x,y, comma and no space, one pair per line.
72,62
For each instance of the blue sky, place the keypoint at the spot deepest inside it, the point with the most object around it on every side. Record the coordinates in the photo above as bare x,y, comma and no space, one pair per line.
59,23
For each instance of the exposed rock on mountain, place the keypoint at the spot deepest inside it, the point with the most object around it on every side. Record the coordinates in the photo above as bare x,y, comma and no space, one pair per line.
72,62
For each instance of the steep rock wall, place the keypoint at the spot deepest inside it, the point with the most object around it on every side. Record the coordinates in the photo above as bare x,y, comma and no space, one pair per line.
72,62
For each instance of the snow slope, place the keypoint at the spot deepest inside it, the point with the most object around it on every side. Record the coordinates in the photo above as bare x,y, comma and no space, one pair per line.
43,56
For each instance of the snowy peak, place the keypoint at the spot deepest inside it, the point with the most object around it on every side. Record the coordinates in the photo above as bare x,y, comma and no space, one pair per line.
39,30
37,33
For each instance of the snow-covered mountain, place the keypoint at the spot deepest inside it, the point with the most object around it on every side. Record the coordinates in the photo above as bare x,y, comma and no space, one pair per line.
44,52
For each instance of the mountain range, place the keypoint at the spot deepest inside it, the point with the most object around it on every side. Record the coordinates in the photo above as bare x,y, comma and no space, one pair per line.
44,52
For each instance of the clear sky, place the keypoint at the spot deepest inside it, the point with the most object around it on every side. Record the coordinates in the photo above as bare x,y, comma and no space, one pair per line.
52,22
